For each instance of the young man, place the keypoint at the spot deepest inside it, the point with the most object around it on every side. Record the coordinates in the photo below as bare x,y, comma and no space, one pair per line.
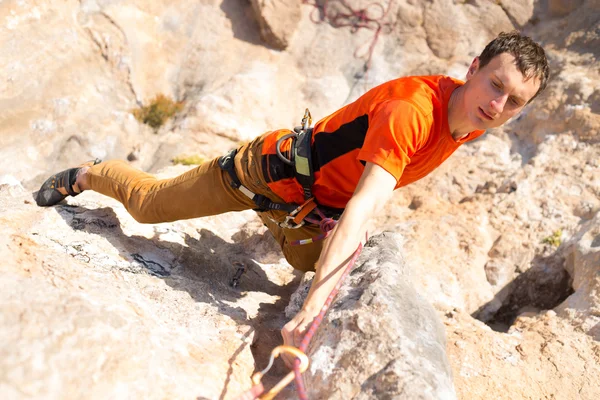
391,136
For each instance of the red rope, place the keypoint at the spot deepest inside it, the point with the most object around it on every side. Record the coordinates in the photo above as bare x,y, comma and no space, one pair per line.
356,19
326,225
317,321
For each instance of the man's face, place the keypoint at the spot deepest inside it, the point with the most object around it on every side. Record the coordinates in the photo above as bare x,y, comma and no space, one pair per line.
496,92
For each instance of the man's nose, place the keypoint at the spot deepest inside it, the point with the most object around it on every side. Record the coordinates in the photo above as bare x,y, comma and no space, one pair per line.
497,104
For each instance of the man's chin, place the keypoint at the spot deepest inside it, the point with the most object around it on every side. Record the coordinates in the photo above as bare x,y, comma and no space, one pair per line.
481,125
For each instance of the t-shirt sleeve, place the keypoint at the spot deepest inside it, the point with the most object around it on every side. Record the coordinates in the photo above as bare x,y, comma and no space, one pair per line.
396,131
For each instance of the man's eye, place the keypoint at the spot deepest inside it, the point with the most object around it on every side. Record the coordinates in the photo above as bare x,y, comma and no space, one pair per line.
496,85
514,101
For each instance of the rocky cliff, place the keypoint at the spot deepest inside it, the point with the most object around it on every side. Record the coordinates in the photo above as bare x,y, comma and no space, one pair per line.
503,240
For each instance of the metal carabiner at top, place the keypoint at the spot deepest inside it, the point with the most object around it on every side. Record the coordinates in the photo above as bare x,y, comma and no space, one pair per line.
288,223
306,120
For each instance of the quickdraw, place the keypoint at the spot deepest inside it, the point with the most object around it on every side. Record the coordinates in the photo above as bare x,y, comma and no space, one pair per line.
296,218
256,392
301,362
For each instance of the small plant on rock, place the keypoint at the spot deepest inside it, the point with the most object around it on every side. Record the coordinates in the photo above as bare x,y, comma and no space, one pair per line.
160,109
554,239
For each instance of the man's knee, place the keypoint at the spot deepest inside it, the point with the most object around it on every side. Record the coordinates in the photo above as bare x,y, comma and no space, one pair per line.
304,261
145,212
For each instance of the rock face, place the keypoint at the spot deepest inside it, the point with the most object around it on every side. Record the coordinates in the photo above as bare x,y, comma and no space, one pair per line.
278,20
583,264
95,305
502,239
381,339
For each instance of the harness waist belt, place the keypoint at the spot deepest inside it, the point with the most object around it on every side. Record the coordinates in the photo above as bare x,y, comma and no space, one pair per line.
263,203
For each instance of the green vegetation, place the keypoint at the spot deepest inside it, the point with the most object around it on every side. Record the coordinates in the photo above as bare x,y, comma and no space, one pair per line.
188,160
160,109
554,239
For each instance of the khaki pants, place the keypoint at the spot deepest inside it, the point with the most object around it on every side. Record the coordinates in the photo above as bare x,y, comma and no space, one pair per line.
200,192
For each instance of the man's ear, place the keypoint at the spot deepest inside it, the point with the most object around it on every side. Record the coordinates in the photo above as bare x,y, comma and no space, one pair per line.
473,68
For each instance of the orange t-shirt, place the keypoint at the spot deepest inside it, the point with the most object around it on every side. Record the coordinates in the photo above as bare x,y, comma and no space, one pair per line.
401,125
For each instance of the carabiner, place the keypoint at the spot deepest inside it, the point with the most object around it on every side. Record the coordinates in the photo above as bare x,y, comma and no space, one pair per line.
256,379
287,225
306,120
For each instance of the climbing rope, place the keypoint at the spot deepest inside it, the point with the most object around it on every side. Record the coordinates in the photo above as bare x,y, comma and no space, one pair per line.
371,17
301,360
317,321
326,224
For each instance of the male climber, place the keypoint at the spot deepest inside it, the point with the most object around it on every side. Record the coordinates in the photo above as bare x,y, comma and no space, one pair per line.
391,136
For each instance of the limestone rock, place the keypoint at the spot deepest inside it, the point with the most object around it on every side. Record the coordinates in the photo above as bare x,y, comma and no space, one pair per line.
507,257
583,264
519,11
278,20
439,21
559,8
380,339
541,356
474,232
96,305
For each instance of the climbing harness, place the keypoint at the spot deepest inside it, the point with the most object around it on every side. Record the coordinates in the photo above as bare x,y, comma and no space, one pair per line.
263,203
301,161
297,216
301,154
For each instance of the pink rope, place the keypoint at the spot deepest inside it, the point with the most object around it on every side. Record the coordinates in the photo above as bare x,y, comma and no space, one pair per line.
356,19
317,321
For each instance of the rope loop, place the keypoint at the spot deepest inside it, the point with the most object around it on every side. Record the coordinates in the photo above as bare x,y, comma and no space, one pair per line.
327,224
370,17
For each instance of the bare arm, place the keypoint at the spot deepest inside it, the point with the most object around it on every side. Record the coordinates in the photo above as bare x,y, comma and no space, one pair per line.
374,189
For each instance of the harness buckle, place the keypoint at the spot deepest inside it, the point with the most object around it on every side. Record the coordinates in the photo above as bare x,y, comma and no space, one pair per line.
288,223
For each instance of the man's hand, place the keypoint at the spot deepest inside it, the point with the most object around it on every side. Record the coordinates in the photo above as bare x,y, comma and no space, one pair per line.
294,331
375,187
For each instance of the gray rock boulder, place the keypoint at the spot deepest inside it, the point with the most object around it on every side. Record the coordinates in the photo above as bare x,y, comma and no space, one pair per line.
520,12
277,20
380,339
583,264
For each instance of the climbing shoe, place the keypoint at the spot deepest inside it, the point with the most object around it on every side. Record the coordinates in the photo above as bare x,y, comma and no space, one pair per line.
60,185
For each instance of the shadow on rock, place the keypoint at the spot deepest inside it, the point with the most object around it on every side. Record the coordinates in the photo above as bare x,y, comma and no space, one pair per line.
244,26
542,287
202,267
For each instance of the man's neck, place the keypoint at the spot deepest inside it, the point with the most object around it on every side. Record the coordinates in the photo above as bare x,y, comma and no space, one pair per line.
458,122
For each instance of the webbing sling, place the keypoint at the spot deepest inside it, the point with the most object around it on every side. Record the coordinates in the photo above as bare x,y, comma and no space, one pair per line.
263,203
301,158
303,162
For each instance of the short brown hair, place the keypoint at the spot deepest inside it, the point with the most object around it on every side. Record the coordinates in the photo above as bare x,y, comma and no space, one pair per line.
529,56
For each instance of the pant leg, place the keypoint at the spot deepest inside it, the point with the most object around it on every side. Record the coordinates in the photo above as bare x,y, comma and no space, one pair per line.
302,257
249,168
202,191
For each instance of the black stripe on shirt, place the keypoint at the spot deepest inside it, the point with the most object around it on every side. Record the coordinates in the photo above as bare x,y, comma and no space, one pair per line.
328,146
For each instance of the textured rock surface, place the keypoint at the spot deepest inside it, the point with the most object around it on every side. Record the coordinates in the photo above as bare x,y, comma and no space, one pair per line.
381,339
95,305
278,20
583,264
83,284
542,356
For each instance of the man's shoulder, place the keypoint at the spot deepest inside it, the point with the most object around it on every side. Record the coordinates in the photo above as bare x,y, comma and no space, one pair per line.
422,92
